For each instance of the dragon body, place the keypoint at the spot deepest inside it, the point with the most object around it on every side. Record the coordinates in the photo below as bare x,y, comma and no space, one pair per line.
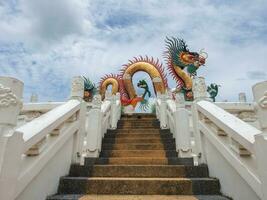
183,64
123,83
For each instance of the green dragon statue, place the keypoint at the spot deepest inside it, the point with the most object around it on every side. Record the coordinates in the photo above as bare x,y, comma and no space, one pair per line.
179,59
213,90
144,105
89,89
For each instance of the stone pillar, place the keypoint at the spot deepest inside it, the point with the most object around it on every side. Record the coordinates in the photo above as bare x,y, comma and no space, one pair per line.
260,98
163,111
94,127
182,129
114,112
77,88
199,88
11,142
200,93
34,98
242,97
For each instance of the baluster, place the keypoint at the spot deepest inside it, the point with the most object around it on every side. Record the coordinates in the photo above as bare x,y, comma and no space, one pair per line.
94,127
200,93
260,98
182,129
77,92
163,111
11,142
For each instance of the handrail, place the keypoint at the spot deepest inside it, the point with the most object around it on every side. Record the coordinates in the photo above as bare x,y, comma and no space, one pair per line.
239,130
37,129
40,106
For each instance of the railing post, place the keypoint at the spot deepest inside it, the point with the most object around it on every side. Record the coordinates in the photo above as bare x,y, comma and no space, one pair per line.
77,92
200,93
242,97
118,98
163,111
260,98
11,142
182,129
34,98
77,88
94,135
114,112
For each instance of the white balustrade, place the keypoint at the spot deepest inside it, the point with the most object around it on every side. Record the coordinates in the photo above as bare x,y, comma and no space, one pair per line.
26,150
101,117
240,144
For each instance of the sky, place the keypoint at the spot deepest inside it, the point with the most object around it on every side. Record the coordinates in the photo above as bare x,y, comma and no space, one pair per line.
46,43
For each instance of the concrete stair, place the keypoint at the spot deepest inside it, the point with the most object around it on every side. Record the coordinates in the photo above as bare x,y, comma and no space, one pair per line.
138,161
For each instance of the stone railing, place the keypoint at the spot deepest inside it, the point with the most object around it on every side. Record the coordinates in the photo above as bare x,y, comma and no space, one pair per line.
100,117
36,153
27,150
31,111
233,149
173,115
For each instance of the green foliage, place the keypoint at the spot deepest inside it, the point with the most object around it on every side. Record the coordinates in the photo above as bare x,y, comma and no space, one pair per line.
213,90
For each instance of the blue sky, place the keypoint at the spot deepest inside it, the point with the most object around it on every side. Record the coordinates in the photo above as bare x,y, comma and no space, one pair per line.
45,43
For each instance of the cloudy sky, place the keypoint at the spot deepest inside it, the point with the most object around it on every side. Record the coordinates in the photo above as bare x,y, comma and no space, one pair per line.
45,43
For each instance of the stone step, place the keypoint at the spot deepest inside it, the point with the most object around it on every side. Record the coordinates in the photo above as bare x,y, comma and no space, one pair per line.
138,135
139,161
119,127
138,120
160,171
138,116
137,140
138,146
138,123
137,197
138,153
137,131
138,186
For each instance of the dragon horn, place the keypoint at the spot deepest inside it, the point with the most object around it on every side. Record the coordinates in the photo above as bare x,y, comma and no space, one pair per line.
203,53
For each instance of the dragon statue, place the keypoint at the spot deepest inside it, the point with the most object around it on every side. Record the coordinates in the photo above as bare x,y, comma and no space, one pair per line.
89,89
178,59
123,83
213,90
144,105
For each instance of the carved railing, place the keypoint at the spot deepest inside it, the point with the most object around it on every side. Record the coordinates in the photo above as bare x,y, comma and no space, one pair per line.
217,133
100,118
240,144
26,150
31,111
173,115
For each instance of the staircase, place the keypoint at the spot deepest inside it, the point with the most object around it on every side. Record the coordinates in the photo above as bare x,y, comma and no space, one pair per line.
138,161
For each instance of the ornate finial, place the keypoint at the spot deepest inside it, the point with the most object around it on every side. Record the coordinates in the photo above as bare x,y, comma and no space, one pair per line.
199,88
263,100
7,97
77,87
97,101
260,97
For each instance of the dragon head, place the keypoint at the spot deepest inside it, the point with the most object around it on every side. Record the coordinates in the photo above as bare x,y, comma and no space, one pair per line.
142,84
180,55
197,59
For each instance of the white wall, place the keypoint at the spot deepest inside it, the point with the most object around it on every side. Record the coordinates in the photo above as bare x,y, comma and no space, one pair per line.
232,184
46,183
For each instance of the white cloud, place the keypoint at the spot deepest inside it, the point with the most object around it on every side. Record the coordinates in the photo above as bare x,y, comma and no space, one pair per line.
63,38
